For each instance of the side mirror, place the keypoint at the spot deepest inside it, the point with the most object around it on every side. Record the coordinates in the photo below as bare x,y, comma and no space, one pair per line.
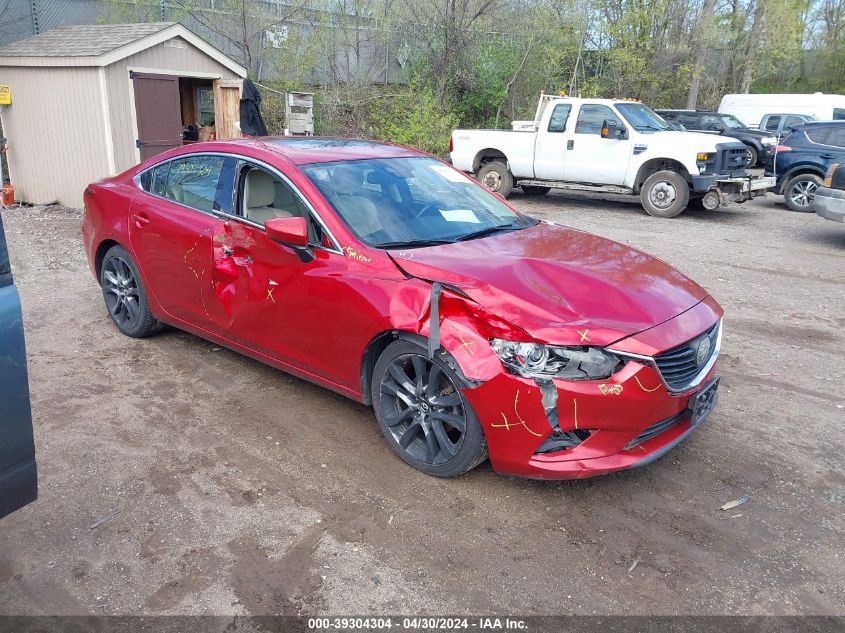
611,129
291,232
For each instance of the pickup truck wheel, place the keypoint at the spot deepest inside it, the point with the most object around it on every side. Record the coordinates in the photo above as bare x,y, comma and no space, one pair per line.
800,192
496,177
533,190
751,156
664,194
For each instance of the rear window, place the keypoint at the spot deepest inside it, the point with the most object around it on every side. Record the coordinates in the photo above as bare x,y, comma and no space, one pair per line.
154,180
560,115
827,135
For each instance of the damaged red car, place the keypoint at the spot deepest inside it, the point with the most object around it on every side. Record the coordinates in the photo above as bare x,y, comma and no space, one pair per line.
390,277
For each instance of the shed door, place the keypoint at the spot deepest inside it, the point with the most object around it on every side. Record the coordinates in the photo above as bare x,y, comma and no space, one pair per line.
159,113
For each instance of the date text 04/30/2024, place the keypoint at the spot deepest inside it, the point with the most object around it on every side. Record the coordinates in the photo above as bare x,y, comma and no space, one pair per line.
416,623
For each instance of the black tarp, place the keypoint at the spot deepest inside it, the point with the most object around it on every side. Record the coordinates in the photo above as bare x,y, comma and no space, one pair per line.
251,122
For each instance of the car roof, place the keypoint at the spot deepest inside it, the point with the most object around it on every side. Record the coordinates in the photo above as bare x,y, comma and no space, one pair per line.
301,150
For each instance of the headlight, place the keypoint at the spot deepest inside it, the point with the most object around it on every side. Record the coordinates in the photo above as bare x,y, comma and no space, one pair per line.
769,140
534,360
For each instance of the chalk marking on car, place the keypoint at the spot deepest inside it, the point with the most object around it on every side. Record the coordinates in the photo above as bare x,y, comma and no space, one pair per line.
643,388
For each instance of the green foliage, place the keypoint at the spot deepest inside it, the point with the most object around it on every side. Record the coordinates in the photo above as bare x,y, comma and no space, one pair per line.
415,119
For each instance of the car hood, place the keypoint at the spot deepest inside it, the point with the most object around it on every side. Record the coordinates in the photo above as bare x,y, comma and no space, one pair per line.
555,282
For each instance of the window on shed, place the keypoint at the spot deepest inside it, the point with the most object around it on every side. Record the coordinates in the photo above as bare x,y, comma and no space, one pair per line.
560,115
591,117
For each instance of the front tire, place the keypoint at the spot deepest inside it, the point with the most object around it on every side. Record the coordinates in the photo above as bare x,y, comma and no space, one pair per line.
751,156
664,194
422,413
799,193
496,177
124,294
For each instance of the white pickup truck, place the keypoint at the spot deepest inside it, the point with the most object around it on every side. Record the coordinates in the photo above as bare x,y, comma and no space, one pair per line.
608,146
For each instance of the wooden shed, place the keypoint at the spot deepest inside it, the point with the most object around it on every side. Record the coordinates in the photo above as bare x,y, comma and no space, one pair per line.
91,101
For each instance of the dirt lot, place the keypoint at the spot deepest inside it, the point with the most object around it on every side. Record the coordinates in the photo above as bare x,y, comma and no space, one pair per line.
239,489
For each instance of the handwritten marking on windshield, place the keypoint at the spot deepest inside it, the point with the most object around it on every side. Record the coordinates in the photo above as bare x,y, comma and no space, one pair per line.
583,334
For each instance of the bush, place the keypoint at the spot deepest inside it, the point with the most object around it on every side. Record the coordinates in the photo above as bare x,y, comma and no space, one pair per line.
414,119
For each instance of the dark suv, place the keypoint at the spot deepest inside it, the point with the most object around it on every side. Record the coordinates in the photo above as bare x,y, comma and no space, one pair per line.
758,144
802,158
18,476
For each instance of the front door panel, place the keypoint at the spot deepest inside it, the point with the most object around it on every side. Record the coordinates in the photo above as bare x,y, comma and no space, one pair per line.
591,158
269,300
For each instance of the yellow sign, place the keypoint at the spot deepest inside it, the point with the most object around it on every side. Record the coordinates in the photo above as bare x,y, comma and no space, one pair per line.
5,95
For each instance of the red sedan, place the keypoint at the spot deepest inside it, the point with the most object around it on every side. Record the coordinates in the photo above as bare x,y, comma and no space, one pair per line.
388,276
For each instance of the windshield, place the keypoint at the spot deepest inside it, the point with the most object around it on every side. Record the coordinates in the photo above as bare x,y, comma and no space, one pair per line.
731,121
407,202
642,117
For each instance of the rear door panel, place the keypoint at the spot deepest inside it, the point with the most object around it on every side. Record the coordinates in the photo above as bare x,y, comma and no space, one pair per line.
18,477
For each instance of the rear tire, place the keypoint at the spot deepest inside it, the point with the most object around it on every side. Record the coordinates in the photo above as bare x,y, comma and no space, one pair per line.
496,177
422,413
664,194
799,192
124,294
533,190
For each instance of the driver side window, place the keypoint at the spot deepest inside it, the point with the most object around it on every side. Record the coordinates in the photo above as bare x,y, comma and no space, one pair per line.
591,117
264,196
711,123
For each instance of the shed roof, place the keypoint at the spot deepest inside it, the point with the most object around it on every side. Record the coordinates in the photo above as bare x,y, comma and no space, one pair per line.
83,40
103,44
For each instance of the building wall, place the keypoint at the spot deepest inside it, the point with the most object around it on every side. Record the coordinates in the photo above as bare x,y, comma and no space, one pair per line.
56,132
161,58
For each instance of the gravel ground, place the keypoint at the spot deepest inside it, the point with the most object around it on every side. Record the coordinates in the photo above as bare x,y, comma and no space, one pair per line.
231,488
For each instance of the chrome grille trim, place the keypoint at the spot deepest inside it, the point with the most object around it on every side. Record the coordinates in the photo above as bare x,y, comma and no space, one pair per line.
697,379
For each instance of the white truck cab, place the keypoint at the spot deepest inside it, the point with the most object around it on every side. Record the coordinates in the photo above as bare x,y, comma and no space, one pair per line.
610,146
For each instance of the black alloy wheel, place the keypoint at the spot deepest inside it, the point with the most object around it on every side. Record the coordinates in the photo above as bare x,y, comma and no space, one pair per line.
124,296
422,413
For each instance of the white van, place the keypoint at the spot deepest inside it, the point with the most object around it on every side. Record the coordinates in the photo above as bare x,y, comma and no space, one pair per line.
751,108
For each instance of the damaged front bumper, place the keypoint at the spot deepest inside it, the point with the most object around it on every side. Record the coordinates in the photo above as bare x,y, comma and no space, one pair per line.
595,427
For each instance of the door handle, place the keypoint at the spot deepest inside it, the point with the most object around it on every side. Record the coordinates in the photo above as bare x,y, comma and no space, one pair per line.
141,219
570,144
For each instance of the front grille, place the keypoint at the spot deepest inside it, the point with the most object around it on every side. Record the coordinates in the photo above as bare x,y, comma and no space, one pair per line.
731,159
678,366
656,429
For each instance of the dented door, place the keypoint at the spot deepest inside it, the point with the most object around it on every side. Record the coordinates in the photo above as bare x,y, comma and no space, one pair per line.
270,300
